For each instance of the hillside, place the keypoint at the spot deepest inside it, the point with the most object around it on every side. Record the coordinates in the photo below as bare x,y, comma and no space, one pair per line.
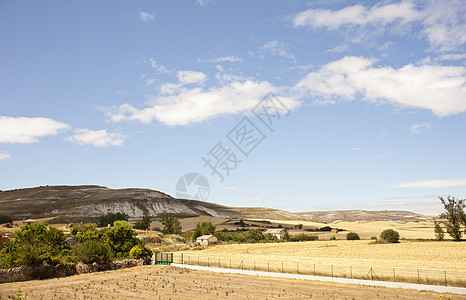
83,202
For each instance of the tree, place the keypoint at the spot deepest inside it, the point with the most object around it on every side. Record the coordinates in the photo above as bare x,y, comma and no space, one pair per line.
351,236
121,238
439,234
203,228
144,224
5,219
390,236
110,218
171,225
454,216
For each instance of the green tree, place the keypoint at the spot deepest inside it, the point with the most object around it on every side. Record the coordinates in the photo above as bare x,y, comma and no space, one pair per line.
454,216
5,219
93,251
121,238
390,236
203,228
171,225
439,234
351,236
110,218
144,224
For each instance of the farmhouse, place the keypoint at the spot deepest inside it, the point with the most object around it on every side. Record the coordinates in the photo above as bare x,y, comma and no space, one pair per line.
206,239
279,233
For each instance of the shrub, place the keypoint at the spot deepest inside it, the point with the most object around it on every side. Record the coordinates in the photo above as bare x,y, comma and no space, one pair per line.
139,252
303,237
333,238
110,218
373,238
93,251
390,236
325,228
5,219
351,236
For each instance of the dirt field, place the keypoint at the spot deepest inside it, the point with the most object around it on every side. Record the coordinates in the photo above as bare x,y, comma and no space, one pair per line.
164,282
405,258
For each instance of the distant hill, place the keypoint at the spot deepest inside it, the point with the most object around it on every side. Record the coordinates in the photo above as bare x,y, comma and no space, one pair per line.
85,203
363,216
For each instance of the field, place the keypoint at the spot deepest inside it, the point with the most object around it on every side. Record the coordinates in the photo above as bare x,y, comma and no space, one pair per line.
346,259
165,282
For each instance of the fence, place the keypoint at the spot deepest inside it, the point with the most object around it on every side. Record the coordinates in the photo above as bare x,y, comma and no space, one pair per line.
420,276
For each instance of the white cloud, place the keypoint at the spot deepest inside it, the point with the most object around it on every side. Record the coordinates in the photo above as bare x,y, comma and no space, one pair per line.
338,49
97,138
4,155
204,2
453,56
25,130
277,48
146,16
194,105
441,89
434,183
187,77
419,128
443,22
159,68
232,58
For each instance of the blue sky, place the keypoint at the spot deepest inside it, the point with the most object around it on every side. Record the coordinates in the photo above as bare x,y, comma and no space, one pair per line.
139,93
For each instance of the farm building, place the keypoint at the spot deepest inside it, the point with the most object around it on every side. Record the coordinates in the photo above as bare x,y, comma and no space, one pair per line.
207,239
29,222
279,233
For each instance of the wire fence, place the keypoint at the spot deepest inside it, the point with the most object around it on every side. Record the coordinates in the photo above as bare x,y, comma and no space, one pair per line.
395,274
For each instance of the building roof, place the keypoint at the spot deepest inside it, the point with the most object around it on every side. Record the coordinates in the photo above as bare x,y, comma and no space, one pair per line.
30,221
204,237
274,231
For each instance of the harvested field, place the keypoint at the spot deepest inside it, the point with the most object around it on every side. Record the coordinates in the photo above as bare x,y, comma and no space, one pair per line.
346,259
165,282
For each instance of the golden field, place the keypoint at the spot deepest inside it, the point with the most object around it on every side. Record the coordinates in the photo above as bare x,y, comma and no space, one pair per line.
346,258
165,282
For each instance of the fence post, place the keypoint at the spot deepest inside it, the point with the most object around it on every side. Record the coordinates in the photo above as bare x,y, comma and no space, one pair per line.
282,267
351,271
314,269
418,277
394,278
208,262
182,260
254,265
219,262
445,272
297,268
242,266
332,270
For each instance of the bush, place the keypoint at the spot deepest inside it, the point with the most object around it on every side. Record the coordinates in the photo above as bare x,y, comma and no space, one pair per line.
352,236
5,219
139,252
373,238
93,251
110,218
333,238
390,236
303,237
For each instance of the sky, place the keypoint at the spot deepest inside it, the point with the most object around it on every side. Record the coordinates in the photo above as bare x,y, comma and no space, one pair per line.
295,105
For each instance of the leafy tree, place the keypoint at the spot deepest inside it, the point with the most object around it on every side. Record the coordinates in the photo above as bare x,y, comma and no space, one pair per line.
390,236
439,234
351,236
144,224
454,216
171,225
93,251
203,228
5,219
121,238
110,218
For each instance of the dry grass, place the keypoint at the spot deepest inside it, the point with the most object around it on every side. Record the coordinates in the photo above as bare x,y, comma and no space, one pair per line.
346,258
164,282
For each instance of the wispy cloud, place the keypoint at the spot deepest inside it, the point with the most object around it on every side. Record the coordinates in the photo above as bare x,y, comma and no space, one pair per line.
156,66
24,130
441,89
419,128
277,47
443,22
453,56
249,197
145,16
231,58
204,2
97,138
434,183
4,155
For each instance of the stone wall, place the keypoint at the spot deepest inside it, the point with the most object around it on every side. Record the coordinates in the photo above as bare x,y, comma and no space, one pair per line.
44,272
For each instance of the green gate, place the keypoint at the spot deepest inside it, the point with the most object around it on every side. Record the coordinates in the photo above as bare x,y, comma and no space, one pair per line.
163,258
